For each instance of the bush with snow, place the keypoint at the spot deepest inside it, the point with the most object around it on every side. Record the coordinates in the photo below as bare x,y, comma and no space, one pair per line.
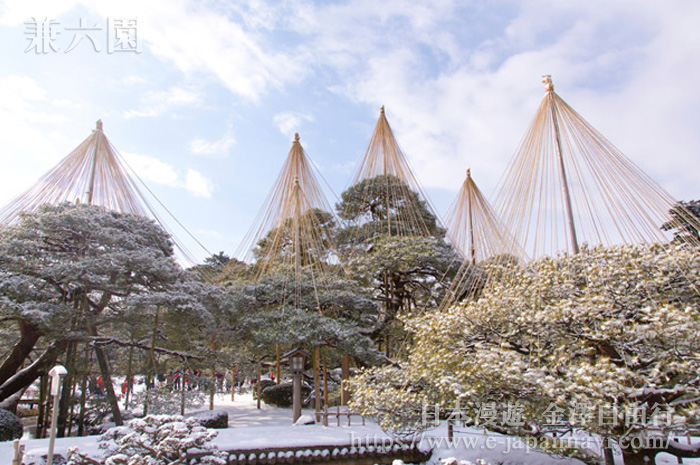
281,395
604,342
155,440
10,426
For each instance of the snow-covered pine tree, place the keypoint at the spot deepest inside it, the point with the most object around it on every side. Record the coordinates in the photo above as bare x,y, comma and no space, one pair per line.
606,338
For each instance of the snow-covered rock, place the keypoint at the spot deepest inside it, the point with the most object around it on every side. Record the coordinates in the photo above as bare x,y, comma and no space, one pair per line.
305,420
217,419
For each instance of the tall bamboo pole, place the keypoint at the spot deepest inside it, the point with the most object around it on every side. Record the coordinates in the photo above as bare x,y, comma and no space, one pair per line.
297,244
91,182
549,87
470,202
385,172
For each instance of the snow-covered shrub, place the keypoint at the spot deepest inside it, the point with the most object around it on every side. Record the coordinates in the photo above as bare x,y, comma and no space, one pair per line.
281,394
97,412
10,426
604,341
264,383
156,440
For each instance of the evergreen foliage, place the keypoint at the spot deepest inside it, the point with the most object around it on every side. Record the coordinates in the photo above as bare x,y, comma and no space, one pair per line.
594,335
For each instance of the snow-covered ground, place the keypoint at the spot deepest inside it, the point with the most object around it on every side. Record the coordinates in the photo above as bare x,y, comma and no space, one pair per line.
250,428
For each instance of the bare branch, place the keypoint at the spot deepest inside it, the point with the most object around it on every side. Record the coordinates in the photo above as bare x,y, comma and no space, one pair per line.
103,341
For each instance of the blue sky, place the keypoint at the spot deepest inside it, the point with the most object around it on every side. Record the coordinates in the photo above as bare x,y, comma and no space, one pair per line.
206,112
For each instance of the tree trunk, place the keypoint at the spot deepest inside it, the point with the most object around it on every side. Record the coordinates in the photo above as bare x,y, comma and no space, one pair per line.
109,387
23,378
317,382
608,452
212,391
152,364
278,365
43,395
257,384
129,375
344,375
83,391
29,335
46,420
183,389
66,390
11,403
233,382
71,415
107,377
325,382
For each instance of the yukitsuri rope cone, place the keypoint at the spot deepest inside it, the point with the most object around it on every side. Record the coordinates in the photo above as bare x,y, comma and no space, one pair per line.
568,185
567,188
291,246
477,233
570,193
93,173
613,255
293,228
385,164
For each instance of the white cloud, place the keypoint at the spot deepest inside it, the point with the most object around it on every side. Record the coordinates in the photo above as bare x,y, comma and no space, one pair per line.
628,67
16,12
133,79
217,148
290,122
194,38
32,131
461,82
66,104
198,185
157,103
20,93
151,169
